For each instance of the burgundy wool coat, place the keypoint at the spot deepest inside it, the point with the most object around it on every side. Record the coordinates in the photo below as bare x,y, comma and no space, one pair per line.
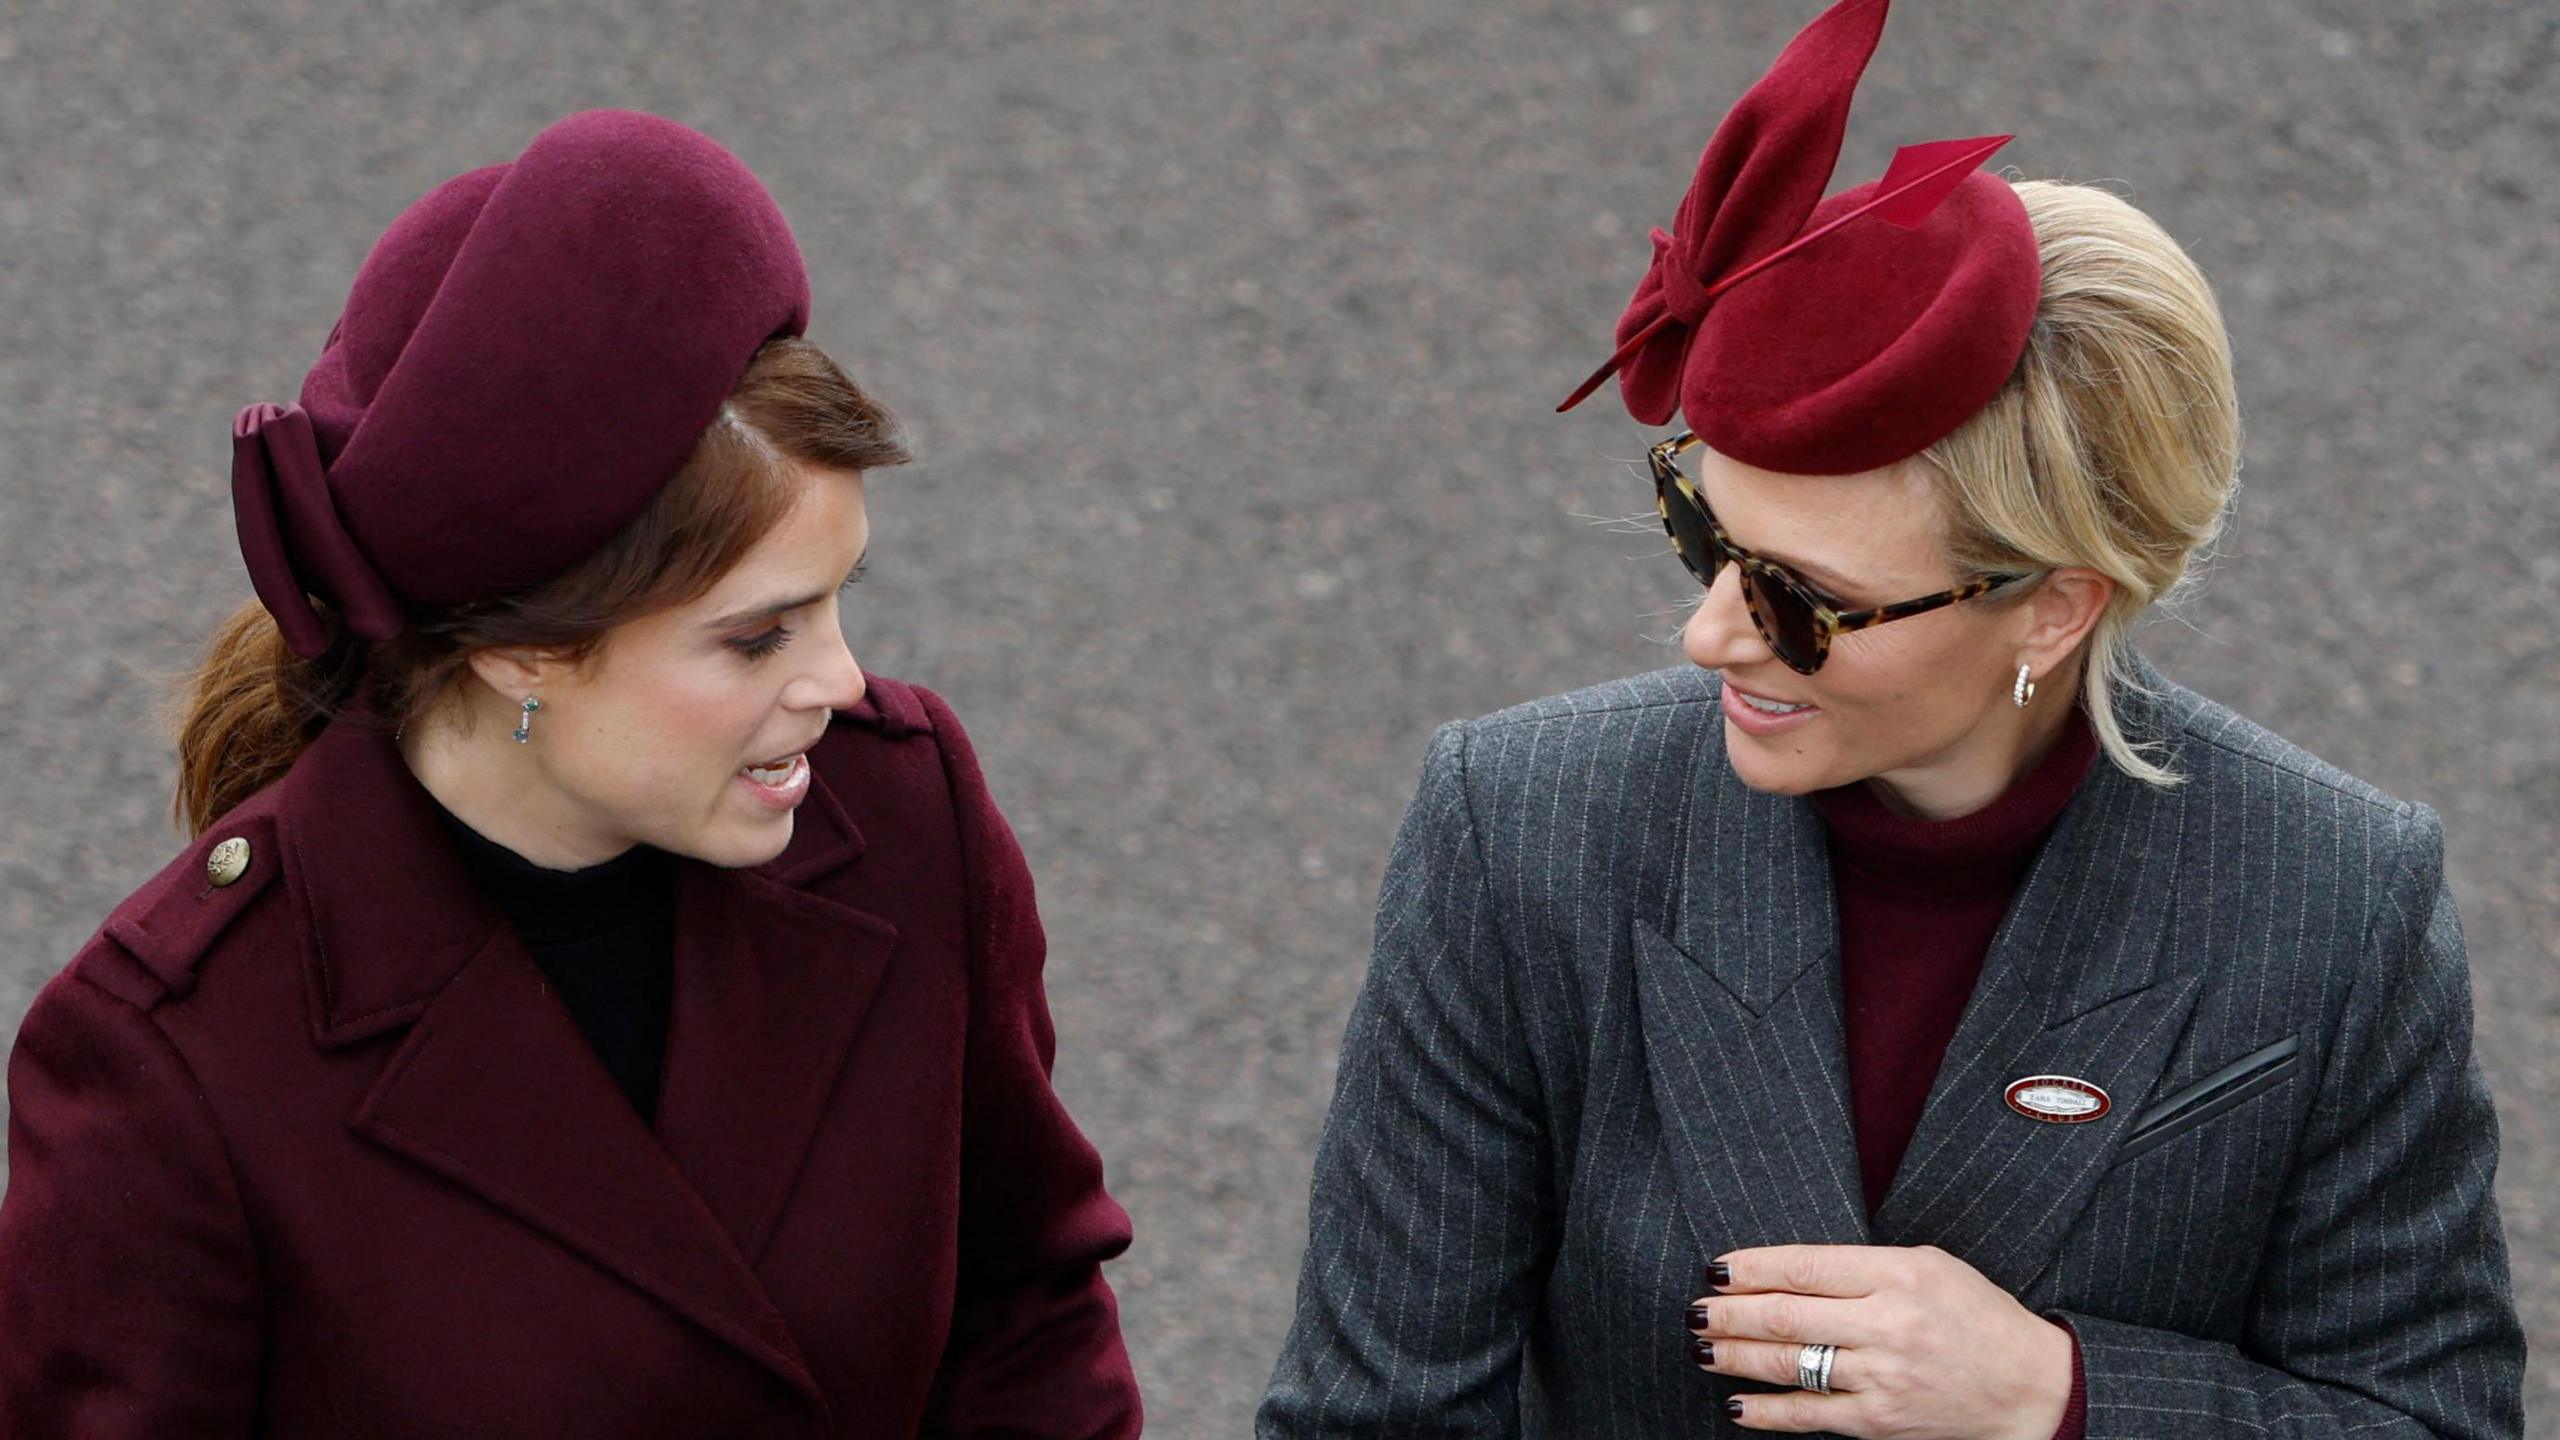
318,1153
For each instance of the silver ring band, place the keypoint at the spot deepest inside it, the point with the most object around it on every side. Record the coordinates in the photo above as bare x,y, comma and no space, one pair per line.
1813,1367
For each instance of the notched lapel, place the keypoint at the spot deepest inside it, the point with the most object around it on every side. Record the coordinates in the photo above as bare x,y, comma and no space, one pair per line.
1739,1000
496,1090
2082,980
1755,908
823,837
771,987
2002,1189
1754,1106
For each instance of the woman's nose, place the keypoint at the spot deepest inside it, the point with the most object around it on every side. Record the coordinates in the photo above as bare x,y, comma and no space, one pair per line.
1719,633
840,686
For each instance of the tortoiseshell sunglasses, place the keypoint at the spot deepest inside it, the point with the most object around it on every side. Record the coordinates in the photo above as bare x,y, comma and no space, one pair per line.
1797,617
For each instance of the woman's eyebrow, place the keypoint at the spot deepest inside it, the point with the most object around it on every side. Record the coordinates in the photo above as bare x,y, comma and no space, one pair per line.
1822,573
1806,568
781,607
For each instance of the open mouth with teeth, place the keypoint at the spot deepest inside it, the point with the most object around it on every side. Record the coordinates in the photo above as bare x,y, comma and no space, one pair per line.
773,774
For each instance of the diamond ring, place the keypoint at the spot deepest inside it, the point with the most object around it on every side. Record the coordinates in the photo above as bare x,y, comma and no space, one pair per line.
1813,1368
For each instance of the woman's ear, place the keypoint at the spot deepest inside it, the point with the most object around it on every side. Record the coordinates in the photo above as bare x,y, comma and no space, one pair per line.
512,672
2061,611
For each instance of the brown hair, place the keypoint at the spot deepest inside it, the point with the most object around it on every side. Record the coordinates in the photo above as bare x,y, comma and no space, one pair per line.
251,704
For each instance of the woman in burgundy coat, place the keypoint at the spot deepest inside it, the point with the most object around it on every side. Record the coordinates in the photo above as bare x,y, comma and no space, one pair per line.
590,1006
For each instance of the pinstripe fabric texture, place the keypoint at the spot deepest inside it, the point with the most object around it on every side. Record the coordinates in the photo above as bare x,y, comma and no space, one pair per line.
1600,1043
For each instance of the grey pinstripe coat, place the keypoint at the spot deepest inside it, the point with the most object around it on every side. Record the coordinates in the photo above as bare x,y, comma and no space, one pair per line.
1599,1044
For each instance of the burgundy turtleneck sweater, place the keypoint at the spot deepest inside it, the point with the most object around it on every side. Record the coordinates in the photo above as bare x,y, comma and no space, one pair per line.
1918,902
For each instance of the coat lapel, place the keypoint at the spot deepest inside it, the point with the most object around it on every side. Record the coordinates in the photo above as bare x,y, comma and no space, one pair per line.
1739,999
2078,983
1738,989
2079,980
495,1090
771,985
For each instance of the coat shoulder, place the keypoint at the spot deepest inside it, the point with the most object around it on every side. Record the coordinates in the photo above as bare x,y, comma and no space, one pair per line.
1577,795
2266,813
1672,688
892,750
156,942
2230,743
152,945
900,764
1636,738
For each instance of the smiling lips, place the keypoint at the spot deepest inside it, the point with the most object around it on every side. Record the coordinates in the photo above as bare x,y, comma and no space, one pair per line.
778,788
1767,700
1741,708
782,760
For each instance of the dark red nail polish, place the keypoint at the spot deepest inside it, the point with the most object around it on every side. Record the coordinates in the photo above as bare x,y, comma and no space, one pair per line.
1719,1274
1733,1409
1702,1350
1697,1317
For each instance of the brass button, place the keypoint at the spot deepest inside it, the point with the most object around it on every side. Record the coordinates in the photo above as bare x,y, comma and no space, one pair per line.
228,861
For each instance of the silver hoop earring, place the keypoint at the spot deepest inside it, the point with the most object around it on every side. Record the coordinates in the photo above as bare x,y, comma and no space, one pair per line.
524,727
2022,692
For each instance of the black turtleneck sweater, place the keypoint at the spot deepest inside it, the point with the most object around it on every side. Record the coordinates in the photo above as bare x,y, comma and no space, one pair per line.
605,936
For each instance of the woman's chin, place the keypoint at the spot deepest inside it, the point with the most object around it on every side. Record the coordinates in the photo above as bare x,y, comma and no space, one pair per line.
1771,770
768,843
741,847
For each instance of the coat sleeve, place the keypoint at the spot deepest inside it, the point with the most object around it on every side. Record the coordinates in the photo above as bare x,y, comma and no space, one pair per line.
1035,1347
1429,1230
2384,1304
129,1296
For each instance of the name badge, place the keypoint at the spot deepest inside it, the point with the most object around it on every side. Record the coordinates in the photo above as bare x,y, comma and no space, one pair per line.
2058,1099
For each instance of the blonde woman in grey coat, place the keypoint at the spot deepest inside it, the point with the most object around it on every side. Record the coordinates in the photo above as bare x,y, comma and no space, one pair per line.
2207,1153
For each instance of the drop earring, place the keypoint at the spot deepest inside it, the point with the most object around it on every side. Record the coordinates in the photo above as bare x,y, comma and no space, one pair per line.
524,727
2022,692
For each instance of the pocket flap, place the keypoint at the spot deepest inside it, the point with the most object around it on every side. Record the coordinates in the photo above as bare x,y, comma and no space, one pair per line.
2252,1074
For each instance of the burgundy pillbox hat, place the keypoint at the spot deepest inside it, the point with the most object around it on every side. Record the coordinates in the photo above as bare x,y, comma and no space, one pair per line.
527,355
1818,336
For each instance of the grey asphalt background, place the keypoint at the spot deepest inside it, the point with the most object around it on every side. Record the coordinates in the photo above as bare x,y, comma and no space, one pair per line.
1230,334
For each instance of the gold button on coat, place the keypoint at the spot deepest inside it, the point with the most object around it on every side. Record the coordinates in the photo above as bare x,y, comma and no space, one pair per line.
228,861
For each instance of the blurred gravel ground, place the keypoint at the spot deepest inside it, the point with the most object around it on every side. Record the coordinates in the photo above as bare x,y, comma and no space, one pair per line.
1230,333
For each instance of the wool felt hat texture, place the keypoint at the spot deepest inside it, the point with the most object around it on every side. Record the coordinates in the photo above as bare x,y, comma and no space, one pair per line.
526,356
1818,336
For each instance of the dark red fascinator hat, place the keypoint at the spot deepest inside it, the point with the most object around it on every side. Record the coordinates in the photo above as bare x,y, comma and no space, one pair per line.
527,355
1825,336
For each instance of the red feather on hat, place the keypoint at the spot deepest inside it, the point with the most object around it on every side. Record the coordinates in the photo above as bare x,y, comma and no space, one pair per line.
1762,175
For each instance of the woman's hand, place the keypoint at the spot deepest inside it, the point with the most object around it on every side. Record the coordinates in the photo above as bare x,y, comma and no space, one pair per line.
1928,1348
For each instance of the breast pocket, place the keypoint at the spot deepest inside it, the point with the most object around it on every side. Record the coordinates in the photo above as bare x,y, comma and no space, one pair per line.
2215,1095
